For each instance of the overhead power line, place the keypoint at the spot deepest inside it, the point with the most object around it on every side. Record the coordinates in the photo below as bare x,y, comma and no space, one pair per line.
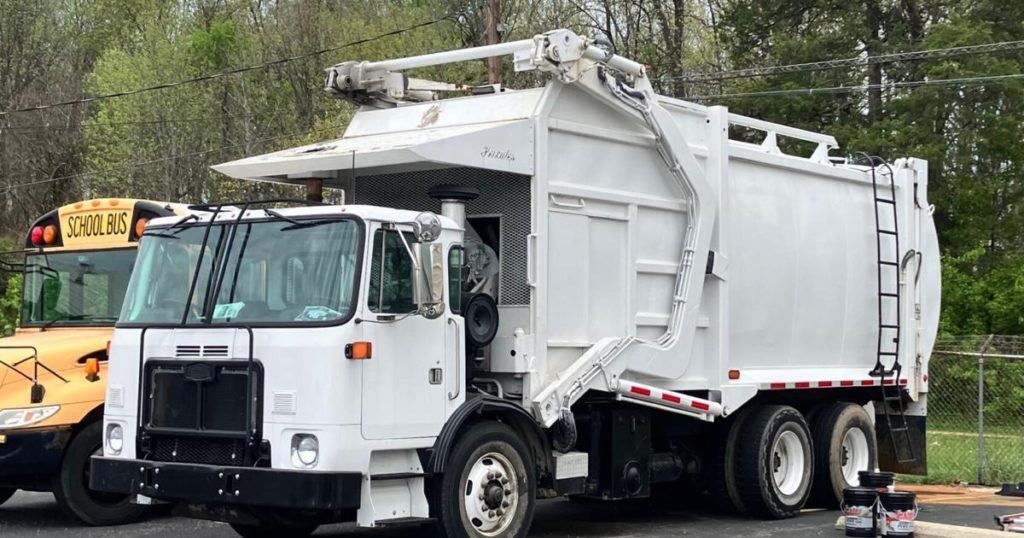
236,71
967,81
857,61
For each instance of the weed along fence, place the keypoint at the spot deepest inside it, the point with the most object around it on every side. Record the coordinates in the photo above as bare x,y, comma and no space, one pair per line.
976,410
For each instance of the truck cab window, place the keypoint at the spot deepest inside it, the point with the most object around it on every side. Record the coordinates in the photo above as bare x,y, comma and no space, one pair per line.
391,274
455,266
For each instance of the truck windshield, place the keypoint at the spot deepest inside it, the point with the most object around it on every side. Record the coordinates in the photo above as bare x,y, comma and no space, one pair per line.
276,272
75,288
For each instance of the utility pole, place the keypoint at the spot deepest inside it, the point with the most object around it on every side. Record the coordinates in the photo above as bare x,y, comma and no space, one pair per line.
493,38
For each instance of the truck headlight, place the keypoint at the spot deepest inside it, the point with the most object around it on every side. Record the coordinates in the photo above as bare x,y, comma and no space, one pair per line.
115,439
17,418
305,450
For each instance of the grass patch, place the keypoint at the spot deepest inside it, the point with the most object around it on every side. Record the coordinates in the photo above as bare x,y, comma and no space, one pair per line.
953,455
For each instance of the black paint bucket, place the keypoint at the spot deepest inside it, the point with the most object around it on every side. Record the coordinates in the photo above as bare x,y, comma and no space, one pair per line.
859,511
898,510
876,480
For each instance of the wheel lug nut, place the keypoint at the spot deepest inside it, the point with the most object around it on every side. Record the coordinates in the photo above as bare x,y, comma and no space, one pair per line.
490,476
508,491
490,514
504,480
504,504
500,512
481,496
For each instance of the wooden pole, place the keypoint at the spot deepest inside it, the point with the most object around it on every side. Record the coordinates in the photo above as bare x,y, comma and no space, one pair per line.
315,190
493,38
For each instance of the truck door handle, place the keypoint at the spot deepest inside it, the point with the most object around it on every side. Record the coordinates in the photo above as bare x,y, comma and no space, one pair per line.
458,362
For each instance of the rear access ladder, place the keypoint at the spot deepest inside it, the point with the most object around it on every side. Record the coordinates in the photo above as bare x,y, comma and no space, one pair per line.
887,244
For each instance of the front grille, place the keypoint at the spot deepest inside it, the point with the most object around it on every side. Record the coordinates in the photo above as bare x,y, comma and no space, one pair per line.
201,450
197,351
196,411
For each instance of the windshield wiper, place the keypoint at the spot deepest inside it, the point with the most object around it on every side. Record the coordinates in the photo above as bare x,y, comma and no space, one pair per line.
173,226
277,214
90,317
295,223
76,317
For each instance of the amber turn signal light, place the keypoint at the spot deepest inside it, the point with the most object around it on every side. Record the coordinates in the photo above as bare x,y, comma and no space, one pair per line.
92,369
140,226
50,234
359,350
734,374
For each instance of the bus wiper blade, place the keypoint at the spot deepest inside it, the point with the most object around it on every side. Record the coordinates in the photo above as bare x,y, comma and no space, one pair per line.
89,317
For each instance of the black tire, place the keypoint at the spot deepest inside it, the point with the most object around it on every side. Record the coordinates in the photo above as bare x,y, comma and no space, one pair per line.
273,531
6,494
71,485
774,437
722,485
828,431
477,444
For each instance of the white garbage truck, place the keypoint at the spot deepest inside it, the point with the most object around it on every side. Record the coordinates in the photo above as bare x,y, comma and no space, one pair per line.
582,289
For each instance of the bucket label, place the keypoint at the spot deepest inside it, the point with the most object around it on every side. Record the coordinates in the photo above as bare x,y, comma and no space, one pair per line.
900,522
859,517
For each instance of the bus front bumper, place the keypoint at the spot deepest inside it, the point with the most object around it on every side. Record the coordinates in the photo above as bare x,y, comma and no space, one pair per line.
220,485
31,453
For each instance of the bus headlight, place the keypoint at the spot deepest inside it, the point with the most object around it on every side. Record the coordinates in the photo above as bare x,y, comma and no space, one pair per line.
115,439
17,418
305,450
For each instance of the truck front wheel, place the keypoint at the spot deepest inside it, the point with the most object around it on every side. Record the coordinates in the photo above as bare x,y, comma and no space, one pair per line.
774,462
71,485
489,489
6,494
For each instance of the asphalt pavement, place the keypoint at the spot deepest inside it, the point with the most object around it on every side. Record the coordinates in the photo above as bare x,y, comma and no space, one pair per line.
37,515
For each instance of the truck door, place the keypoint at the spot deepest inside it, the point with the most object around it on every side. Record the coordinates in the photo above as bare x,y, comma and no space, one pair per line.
404,383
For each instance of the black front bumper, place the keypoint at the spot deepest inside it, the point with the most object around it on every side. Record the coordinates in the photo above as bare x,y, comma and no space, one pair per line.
32,453
221,485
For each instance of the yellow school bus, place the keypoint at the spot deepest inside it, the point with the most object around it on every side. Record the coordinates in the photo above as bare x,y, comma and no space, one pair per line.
78,259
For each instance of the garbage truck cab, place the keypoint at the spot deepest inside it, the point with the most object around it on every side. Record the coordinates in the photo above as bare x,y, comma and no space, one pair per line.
579,289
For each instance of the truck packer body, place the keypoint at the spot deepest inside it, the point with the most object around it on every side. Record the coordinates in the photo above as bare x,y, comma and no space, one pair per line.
580,289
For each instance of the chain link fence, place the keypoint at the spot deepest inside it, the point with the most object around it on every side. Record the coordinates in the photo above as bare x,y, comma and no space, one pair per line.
976,410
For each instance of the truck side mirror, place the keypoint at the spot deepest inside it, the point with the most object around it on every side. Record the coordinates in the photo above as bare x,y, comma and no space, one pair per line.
428,285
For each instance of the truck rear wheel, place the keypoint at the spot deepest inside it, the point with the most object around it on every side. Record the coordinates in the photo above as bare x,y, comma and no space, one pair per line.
489,488
722,465
71,485
774,462
6,494
844,444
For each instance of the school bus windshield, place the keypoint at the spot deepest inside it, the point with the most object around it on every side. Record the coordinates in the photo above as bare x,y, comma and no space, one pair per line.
75,288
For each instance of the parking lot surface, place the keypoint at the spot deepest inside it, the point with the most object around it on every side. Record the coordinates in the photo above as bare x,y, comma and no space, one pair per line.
36,515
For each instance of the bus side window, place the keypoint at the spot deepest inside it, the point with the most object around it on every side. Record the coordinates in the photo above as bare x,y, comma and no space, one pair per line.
391,274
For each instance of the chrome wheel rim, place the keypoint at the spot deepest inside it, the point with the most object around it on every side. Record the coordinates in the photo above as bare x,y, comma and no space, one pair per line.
854,455
788,463
490,498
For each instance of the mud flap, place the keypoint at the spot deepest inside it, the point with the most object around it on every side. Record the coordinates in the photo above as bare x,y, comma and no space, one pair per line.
887,460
